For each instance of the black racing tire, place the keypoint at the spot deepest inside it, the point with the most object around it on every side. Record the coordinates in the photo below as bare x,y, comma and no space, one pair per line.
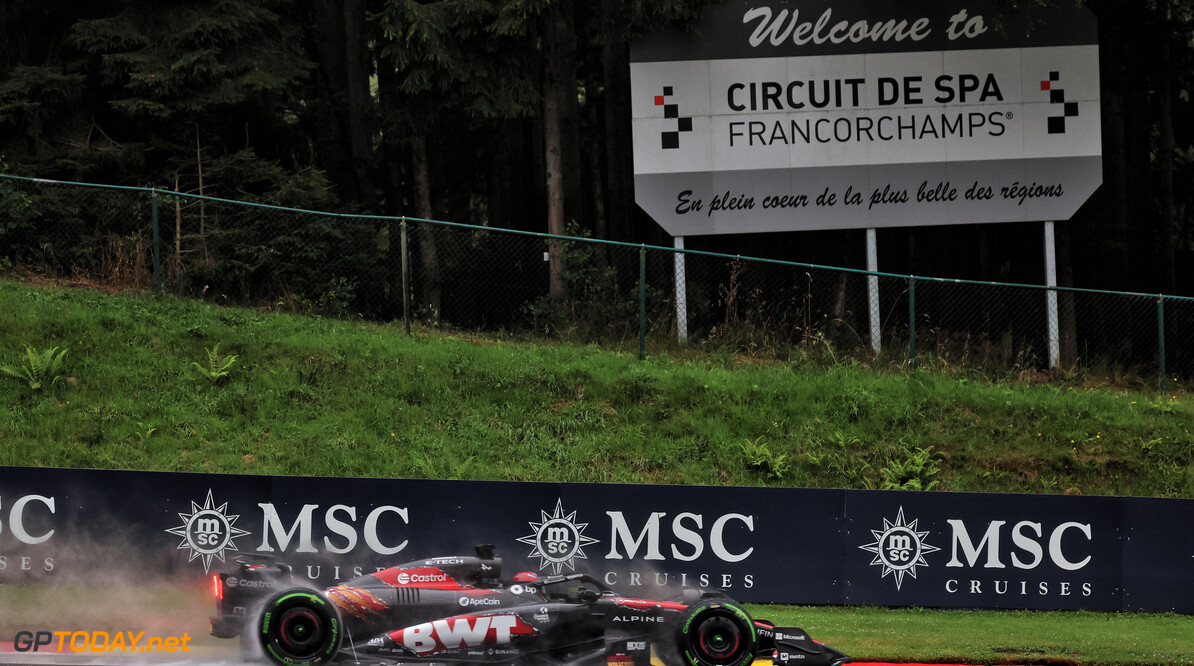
716,632
299,628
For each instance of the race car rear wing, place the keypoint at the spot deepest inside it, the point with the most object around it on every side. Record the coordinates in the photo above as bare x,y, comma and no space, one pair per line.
256,577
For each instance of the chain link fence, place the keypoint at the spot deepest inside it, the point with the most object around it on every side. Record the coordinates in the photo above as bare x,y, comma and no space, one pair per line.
619,295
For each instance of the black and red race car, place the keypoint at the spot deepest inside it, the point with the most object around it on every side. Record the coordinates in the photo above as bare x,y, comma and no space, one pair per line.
457,610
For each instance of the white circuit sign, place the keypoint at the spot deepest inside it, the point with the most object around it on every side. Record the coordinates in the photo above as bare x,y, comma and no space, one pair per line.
818,114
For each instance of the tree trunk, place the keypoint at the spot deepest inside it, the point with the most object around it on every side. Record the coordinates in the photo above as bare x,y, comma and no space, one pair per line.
393,154
557,81
576,209
432,278
619,161
359,69
1167,223
597,189
836,324
344,136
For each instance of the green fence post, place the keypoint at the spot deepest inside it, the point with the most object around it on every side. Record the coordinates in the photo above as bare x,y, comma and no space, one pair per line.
912,320
405,279
1161,338
642,301
157,244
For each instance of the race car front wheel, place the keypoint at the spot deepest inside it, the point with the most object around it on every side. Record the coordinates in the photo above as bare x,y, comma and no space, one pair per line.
716,632
299,628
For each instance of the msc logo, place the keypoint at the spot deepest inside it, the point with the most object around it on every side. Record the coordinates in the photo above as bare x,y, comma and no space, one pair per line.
1057,96
671,140
557,540
207,531
899,548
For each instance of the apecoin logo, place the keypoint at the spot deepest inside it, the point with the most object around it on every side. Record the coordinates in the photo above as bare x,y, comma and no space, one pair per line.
557,540
207,531
899,548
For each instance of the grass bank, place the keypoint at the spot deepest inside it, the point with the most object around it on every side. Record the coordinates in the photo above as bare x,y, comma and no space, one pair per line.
162,384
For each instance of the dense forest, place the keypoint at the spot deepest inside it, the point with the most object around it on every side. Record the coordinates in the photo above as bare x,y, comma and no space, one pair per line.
516,114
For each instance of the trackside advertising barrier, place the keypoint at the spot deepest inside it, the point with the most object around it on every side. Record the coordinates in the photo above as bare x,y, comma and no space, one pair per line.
799,546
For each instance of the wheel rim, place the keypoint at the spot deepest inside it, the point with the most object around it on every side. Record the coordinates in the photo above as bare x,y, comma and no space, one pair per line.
299,629
719,639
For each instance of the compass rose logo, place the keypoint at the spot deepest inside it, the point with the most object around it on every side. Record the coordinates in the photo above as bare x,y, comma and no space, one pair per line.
899,548
557,539
207,531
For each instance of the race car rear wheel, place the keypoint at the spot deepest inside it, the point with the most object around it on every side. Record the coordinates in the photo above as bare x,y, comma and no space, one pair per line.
299,628
716,632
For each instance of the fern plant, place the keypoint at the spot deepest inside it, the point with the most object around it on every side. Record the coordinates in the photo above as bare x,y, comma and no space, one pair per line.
759,457
914,473
218,367
39,369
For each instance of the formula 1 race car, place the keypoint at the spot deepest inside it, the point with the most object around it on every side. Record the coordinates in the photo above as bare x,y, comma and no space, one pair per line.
457,609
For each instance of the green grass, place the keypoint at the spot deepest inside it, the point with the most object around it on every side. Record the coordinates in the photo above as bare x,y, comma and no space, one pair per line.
150,383
994,637
326,397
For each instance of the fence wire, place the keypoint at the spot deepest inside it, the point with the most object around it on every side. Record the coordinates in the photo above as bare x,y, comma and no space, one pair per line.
501,281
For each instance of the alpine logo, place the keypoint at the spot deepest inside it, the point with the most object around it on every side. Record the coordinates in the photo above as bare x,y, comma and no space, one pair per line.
671,139
899,548
557,539
208,531
1057,96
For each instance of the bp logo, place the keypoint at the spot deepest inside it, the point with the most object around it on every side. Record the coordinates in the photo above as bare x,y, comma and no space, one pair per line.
899,548
557,540
207,531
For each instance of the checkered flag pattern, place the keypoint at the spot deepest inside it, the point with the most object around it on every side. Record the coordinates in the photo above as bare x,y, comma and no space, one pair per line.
1057,96
671,139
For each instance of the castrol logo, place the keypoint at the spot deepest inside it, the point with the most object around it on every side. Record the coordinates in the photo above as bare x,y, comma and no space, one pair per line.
408,578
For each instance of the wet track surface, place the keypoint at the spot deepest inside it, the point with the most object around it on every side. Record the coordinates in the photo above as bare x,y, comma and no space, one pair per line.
219,656
13,659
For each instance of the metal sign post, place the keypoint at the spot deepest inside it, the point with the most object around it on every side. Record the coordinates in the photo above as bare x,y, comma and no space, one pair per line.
872,287
681,291
1051,297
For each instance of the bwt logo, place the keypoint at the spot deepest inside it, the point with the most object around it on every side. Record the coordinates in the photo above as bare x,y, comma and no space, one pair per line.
671,139
1057,96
